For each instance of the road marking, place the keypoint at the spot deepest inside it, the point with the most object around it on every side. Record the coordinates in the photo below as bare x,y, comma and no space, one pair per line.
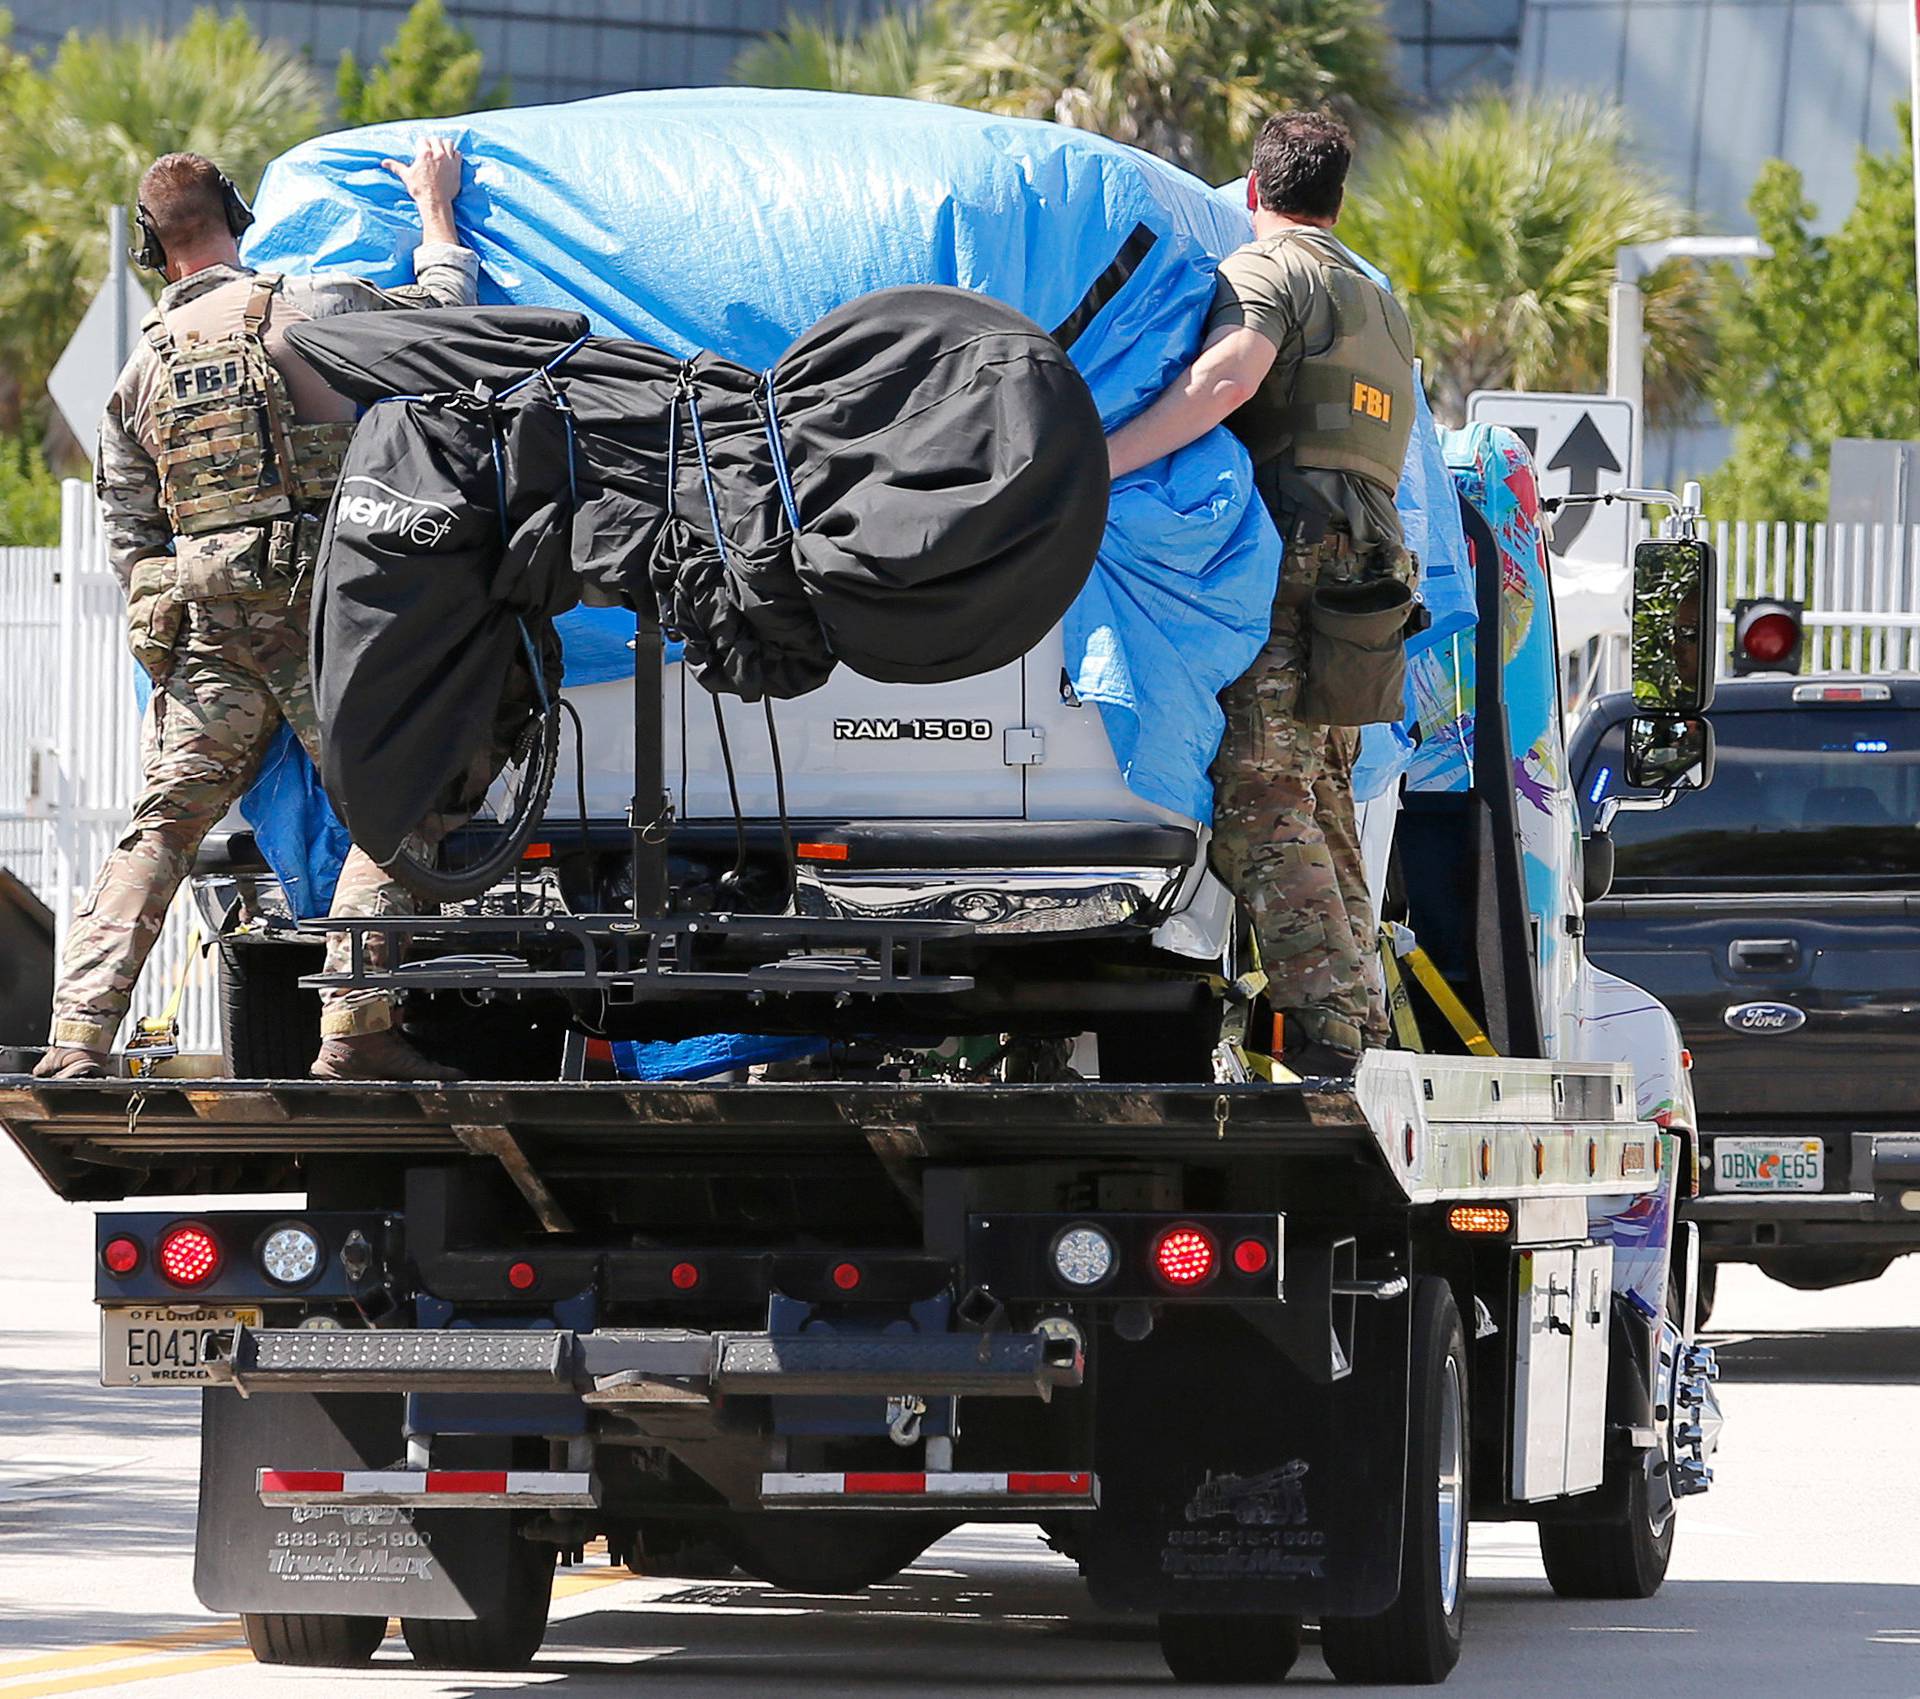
119,1651
158,1670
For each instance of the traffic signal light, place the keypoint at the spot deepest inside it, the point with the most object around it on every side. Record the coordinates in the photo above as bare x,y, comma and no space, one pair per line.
1766,636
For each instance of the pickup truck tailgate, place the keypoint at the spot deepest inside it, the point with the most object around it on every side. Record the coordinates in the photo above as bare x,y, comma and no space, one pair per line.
1799,1006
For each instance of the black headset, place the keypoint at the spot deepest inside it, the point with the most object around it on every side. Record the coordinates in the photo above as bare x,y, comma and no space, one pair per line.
151,256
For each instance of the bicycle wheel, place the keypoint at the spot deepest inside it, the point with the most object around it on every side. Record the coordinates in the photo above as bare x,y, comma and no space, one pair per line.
475,856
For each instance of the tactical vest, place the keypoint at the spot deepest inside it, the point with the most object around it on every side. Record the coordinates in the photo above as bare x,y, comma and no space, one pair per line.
228,448
1351,409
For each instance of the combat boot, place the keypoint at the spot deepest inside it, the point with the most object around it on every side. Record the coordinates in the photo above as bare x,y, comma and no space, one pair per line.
68,1062
383,1055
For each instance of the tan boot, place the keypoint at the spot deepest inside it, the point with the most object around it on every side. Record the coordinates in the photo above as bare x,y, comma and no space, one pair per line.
385,1055
67,1062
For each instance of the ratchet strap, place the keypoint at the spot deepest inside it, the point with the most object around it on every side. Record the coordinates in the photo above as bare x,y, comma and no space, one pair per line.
157,1038
1398,945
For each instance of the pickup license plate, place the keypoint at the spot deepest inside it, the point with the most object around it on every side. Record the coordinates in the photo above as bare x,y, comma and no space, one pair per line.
164,1344
1768,1165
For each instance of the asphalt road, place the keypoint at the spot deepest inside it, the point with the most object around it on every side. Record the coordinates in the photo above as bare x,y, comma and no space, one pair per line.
1799,1574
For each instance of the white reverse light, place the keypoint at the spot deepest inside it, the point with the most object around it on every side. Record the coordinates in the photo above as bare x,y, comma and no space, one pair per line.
1083,1256
290,1255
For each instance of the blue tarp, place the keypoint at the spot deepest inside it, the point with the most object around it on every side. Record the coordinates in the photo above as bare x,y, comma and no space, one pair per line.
733,219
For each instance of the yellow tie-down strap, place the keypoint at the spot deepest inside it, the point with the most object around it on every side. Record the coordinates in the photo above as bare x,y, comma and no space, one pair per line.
1398,945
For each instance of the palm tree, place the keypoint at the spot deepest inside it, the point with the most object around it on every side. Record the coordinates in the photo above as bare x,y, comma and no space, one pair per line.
893,55
77,137
1190,80
1497,222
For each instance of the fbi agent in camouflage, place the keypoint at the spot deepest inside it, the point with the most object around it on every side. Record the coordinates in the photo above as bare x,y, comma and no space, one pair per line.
218,454
1310,363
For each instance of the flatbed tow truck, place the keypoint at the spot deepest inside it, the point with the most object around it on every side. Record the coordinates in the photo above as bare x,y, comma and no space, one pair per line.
1251,1353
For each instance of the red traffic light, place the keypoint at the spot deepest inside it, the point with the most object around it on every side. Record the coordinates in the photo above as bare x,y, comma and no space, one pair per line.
1767,635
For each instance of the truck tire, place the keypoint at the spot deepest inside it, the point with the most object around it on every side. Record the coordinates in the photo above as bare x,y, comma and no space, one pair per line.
1622,1558
1229,1650
506,1640
1416,1640
830,1552
269,1026
314,1642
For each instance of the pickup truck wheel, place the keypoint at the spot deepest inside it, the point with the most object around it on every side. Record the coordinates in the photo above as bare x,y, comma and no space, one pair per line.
508,1639
269,1026
1706,1289
314,1642
1624,1558
1416,1640
1229,1650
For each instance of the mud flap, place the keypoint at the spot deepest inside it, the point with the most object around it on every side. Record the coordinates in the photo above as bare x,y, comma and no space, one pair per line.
1231,1482
362,1560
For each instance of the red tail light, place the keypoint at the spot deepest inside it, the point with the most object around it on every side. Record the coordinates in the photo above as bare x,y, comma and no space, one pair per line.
187,1255
685,1275
121,1255
521,1276
846,1275
1251,1256
1184,1256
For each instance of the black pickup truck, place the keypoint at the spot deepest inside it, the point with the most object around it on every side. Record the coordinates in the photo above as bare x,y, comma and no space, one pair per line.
1777,914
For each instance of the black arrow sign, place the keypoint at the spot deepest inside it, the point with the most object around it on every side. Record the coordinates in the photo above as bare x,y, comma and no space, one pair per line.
1584,456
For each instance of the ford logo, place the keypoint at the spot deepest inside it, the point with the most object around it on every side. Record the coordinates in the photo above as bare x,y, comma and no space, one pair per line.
1765,1017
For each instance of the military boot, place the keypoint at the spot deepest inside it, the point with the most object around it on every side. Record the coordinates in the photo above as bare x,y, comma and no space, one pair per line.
384,1055
67,1062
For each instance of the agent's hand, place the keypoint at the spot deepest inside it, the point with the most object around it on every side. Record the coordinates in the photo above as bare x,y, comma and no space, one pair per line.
433,179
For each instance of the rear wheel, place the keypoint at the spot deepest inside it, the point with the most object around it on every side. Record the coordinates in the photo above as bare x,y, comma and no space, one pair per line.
1416,1640
1236,1650
269,1025
506,1640
1706,1290
314,1642
1624,1557
836,1552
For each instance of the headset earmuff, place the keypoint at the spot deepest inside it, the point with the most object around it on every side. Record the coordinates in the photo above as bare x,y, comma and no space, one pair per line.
151,256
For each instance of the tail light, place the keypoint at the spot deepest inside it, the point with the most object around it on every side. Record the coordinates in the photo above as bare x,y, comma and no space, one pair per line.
1252,1256
120,1255
846,1276
1480,1218
1766,636
187,1255
1184,1256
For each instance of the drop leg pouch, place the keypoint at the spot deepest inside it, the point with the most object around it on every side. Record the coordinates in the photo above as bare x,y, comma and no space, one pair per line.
1357,659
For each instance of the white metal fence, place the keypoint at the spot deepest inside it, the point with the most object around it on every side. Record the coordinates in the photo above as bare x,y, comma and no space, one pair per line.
1859,584
70,741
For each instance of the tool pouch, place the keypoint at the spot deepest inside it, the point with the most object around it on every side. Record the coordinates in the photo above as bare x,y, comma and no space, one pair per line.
1357,658
154,614
220,566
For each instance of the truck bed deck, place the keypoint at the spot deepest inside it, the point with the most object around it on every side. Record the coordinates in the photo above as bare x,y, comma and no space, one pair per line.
96,1140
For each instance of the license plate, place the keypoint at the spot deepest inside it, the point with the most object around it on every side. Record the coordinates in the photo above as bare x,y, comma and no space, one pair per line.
1768,1165
164,1344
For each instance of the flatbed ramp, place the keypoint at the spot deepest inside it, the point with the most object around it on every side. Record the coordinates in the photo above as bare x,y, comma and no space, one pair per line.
97,1140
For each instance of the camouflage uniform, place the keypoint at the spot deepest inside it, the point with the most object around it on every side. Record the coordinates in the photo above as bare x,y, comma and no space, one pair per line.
1286,843
227,669
1285,839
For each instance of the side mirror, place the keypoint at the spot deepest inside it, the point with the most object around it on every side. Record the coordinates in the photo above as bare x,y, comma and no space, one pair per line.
1673,630
1669,754
1596,865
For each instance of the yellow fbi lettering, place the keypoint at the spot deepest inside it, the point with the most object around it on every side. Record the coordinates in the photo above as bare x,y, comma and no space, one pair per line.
1374,403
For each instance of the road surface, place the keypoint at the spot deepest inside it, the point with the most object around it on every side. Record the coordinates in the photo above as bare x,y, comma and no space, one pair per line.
1798,1574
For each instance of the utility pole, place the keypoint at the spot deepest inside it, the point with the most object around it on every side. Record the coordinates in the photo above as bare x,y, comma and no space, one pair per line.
117,280
1626,314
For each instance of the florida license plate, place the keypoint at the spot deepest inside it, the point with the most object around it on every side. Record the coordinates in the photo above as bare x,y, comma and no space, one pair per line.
165,1344
1768,1165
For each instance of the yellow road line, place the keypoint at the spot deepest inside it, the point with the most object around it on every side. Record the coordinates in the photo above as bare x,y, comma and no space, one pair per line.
158,1669
120,1650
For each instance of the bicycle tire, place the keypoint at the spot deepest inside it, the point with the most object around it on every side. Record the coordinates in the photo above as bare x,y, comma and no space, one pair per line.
435,884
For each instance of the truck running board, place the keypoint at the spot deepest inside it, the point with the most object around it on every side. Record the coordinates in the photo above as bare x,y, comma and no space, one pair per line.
433,1489
1057,1488
639,1366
